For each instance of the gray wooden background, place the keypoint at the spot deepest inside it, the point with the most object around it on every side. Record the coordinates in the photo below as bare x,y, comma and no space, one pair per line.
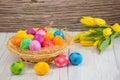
21,14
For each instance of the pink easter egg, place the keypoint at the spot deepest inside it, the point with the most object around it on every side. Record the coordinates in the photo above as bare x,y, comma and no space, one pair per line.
39,38
41,32
61,60
34,45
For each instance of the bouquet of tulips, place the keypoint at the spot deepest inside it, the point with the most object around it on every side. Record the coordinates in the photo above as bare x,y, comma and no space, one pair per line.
98,33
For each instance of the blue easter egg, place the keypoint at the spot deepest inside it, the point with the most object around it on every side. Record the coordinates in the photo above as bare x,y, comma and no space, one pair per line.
75,58
59,33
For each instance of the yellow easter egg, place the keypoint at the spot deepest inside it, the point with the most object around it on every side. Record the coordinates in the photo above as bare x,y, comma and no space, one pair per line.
29,36
41,68
21,34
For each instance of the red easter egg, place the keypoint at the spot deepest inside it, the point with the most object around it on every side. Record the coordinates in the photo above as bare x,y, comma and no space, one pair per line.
61,60
42,28
47,43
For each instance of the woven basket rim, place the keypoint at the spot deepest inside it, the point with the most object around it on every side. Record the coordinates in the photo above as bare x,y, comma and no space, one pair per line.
44,53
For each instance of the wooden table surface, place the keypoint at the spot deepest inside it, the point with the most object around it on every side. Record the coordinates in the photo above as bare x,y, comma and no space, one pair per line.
21,14
94,66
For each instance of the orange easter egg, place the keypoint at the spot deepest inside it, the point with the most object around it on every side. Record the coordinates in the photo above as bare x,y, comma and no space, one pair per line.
58,40
48,36
16,41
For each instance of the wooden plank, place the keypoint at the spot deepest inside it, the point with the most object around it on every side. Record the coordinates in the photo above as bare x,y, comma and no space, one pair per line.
86,70
56,73
52,74
63,72
116,47
116,44
6,59
94,66
3,37
21,14
30,76
107,61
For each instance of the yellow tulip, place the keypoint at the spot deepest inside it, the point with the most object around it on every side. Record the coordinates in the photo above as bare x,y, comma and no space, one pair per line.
107,32
116,27
96,43
89,21
82,34
97,38
100,22
77,37
86,43
92,31
84,37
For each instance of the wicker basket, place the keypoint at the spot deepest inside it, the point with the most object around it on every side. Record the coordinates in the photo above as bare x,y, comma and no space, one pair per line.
45,54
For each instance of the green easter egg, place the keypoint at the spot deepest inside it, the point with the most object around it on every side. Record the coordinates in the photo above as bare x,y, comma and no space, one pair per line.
51,31
25,43
17,67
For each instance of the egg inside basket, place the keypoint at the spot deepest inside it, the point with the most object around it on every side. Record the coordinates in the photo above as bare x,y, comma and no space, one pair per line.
45,54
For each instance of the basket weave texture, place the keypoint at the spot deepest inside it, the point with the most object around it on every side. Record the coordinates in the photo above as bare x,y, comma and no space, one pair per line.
44,54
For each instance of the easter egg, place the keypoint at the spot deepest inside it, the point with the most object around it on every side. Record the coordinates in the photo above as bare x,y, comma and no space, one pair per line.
21,34
39,38
75,58
48,36
34,45
31,31
41,68
29,36
47,43
42,28
59,33
58,40
61,60
16,41
51,31
41,32
17,67
25,43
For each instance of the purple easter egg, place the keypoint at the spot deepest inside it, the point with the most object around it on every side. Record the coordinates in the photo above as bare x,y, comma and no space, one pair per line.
39,38
41,32
34,45
31,31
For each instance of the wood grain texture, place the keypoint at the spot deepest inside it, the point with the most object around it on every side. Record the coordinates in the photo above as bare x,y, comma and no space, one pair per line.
21,14
105,66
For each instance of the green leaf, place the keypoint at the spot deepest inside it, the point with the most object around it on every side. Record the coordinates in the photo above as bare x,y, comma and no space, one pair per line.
118,34
99,29
100,42
104,44
95,27
113,36
95,36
